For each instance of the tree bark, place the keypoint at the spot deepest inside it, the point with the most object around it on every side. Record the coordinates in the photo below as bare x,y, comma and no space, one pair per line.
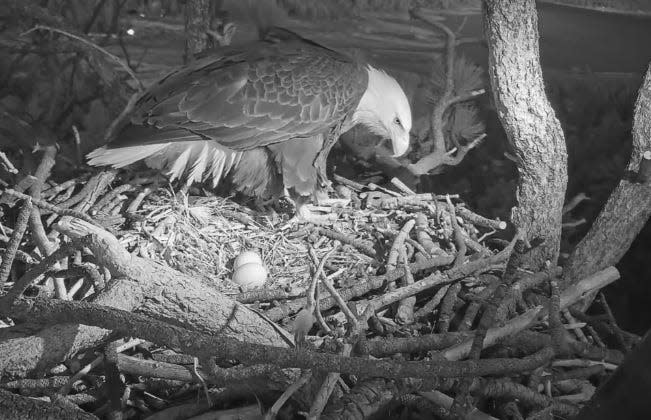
628,208
197,25
17,407
138,284
511,29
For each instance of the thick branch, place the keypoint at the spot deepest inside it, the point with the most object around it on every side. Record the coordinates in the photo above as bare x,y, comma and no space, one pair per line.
628,208
197,26
17,407
439,157
436,120
511,28
140,284
569,296
206,346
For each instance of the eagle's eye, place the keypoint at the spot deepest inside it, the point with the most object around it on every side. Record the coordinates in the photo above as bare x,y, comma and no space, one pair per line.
397,122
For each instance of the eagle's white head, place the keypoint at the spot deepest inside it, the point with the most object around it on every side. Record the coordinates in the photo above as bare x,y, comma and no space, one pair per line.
385,110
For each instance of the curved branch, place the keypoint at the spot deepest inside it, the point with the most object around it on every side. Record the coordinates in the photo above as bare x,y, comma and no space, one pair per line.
206,346
93,46
511,29
436,120
628,208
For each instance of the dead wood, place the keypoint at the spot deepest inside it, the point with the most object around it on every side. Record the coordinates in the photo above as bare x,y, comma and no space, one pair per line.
17,407
440,156
511,29
141,285
204,347
199,340
628,208
369,396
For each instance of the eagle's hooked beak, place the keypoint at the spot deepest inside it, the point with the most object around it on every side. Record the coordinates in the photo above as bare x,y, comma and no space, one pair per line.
400,144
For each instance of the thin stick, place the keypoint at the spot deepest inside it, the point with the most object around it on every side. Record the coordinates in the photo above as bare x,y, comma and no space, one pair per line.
582,363
346,239
341,302
86,42
396,246
568,297
405,311
29,277
305,318
511,327
436,119
133,207
80,374
445,401
328,385
36,224
115,124
616,330
458,235
14,242
75,288
402,186
129,345
485,323
291,390
318,272
317,312
479,220
433,302
53,208
8,165
77,138
447,308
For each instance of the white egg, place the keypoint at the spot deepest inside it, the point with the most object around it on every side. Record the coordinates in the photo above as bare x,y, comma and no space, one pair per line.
250,276
247,257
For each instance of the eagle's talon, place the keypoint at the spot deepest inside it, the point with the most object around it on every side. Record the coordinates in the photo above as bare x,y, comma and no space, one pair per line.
333,202
306,213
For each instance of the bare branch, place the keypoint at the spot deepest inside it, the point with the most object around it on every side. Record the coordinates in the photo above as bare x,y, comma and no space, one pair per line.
92,45
205,346
436,159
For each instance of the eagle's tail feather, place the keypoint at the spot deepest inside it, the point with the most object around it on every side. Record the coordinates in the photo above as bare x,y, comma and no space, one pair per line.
122,156
180,163
199,165
216,168
195,161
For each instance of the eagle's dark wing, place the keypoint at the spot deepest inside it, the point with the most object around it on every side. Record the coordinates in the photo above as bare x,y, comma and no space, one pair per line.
249,97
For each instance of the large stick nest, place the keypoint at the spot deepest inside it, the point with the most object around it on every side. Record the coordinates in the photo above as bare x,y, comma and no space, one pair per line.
423,299
422,263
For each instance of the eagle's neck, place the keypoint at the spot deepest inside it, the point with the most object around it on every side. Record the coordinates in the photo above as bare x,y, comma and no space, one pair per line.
368,109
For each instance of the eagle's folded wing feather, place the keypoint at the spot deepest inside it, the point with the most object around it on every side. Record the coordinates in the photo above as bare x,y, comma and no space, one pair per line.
211,118
245,102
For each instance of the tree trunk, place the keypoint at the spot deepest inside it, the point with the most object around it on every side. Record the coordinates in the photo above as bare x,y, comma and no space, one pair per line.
197,25
628,208
511,29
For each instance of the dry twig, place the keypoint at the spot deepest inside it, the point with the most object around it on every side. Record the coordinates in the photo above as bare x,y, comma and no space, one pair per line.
93,46
273,411
14,243
42,204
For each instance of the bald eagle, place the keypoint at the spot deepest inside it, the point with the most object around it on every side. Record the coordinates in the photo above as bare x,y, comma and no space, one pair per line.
264,114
